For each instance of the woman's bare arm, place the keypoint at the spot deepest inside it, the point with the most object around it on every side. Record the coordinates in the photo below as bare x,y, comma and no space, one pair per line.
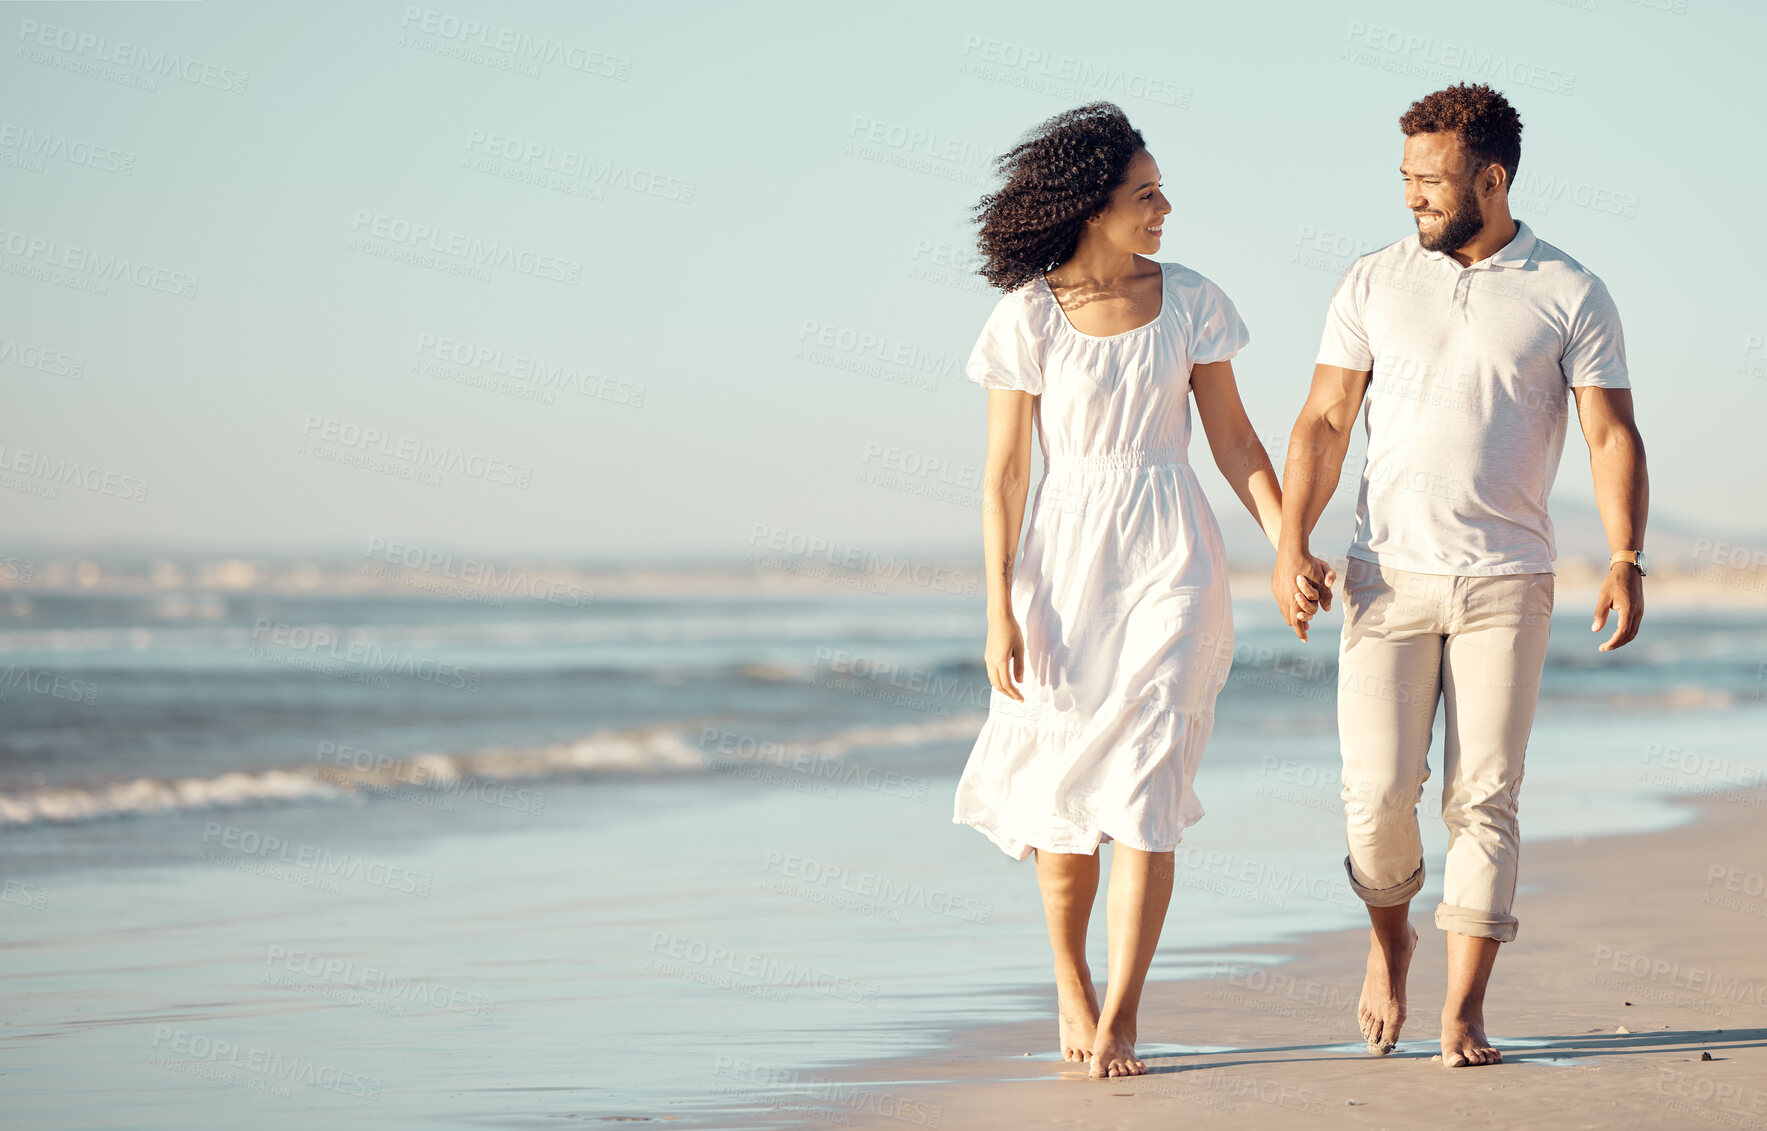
1006,482
1238,452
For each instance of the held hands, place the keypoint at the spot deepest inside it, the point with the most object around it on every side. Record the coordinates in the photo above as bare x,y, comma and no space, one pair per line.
1301,584
1004,656
1622,590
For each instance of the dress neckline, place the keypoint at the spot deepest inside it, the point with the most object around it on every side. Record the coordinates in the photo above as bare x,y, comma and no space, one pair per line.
1050,291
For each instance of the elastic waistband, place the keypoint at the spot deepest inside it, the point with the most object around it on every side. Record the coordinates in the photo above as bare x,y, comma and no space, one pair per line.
1128,460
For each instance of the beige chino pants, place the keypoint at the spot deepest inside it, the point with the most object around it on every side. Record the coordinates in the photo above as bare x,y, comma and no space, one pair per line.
1477,644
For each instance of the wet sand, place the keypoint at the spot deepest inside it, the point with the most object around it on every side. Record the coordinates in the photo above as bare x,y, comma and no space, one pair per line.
1637,957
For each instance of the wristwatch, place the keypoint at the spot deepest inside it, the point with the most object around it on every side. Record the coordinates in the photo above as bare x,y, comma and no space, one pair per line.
1636,557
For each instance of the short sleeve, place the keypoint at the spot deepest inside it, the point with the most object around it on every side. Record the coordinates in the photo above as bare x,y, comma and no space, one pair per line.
1218,331
1345,341
1007,355
1595,350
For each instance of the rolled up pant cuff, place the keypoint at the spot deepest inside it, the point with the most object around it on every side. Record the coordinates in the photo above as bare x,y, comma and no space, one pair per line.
1477,923
1386,897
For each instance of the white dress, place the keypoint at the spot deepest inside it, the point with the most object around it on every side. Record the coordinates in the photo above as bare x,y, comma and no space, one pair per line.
1121,589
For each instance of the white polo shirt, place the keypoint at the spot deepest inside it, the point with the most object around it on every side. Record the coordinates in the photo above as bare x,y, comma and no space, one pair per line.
1467,403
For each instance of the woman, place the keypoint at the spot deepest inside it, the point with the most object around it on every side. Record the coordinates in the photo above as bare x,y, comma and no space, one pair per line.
1122,592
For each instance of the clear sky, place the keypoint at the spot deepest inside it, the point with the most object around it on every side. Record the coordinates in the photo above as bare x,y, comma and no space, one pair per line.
261,262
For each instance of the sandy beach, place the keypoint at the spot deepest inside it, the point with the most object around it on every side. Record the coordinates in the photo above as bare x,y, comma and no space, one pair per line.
694,863
1634,997
500,547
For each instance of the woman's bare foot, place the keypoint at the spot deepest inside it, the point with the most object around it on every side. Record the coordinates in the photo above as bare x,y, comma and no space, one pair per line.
1077,1005
1381,1012
1464,1044
1114,1052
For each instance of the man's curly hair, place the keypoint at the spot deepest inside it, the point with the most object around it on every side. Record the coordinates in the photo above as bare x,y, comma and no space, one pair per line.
1490,130
1060,173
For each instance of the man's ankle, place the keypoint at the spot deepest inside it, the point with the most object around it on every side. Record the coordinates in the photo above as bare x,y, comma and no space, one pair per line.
1391,932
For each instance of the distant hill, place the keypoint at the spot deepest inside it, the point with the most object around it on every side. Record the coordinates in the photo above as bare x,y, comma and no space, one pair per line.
1669,540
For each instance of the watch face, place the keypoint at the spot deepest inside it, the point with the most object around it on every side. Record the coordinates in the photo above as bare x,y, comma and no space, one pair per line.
1641,563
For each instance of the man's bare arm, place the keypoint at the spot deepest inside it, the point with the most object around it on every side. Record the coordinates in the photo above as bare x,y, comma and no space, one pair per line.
1316,449
1622,493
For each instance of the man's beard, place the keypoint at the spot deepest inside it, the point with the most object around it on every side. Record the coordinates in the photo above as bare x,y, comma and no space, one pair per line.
1454,232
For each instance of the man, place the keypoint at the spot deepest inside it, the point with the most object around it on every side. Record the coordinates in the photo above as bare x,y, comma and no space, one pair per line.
1463,340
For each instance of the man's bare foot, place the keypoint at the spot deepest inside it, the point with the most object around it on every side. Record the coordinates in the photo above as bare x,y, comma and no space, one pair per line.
1077,1004
1381,1012
1464,1044
1114,1052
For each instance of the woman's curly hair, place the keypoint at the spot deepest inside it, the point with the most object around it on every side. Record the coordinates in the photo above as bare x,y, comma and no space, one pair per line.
1062,172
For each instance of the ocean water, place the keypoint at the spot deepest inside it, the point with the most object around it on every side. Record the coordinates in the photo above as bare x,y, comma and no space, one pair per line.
123,705
693,850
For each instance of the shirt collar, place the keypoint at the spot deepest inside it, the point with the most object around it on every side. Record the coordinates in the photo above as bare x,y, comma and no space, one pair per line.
1515,253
